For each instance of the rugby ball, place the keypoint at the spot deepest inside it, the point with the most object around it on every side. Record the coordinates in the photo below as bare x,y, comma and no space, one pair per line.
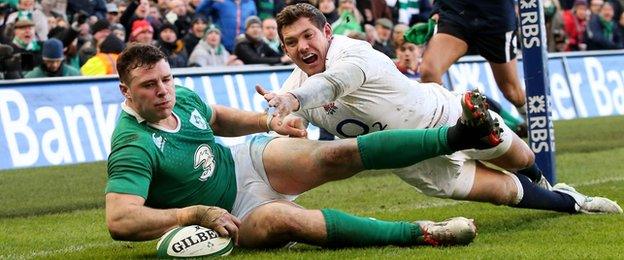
193,241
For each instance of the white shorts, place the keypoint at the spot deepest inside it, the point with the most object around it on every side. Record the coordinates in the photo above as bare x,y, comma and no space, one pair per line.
452,176
253,188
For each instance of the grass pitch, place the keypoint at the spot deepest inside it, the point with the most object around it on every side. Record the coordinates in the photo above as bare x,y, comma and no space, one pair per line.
57,212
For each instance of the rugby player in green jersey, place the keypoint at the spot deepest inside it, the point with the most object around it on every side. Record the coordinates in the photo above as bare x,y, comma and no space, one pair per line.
166,170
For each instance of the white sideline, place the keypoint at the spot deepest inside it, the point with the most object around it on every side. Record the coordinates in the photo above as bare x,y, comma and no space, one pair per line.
77,248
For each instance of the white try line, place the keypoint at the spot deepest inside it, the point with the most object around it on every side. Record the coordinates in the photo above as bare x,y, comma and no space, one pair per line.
426,205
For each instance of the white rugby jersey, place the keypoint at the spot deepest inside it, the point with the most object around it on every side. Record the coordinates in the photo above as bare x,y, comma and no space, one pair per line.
386,100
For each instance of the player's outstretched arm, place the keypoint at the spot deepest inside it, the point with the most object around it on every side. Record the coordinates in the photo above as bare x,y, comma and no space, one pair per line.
230,122
320,89
129,219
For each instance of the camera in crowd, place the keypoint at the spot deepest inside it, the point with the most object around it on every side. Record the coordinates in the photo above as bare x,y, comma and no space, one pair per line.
13,64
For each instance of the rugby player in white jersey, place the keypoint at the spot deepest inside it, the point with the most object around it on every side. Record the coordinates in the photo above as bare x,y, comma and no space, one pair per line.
348,88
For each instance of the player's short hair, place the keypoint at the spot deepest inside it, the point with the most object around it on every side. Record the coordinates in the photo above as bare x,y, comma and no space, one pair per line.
137,55
290,14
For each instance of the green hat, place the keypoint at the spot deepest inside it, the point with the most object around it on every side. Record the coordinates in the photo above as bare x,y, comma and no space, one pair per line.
420,33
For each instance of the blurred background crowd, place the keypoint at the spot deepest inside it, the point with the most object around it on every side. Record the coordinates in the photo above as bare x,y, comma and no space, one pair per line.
52,38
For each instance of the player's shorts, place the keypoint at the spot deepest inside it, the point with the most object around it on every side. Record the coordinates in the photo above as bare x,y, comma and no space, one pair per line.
452,176
495,47
253,188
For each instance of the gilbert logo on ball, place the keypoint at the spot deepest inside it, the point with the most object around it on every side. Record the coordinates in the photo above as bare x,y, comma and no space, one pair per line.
193,241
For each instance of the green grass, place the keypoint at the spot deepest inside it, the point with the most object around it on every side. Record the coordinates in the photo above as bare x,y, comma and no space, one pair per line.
56,212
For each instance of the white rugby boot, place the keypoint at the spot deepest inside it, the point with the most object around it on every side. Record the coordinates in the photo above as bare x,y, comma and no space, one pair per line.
453,231
544,183
587,204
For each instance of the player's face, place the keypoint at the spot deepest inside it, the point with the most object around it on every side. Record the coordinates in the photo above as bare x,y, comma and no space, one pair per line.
307,45
151,92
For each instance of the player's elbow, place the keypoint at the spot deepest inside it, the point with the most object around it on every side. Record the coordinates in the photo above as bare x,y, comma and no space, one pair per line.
118,231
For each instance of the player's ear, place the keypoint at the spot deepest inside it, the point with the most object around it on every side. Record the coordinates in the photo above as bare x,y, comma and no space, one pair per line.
327,30
124,90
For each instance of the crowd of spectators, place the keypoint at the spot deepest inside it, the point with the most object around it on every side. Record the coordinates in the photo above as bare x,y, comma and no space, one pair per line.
51,38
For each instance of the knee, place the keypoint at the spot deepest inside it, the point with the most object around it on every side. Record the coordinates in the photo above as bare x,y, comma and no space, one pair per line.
429,73
526,159
505,193
335,157
270,226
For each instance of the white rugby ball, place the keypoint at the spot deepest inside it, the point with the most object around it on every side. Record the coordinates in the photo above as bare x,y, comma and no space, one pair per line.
193,241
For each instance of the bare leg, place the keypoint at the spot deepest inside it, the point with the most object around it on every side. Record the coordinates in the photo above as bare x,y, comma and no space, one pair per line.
506,76
275,224
297,165
442,51
519,156
492,186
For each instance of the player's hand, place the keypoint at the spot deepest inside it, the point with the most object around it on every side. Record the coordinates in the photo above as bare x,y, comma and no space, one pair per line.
435,17
283,103
292,126
215,218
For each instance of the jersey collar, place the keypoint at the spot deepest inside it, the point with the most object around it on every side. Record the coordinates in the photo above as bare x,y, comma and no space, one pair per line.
140,119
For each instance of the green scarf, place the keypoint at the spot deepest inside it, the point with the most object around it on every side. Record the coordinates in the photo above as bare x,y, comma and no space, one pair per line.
608,27
32,46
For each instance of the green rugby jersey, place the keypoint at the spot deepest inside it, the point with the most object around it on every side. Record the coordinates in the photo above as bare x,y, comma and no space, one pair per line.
172,169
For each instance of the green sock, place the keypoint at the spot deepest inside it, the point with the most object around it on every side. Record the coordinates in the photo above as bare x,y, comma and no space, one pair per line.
344,230
401,148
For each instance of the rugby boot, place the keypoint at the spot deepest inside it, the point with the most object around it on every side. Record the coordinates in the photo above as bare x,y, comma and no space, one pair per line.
587,204
453,231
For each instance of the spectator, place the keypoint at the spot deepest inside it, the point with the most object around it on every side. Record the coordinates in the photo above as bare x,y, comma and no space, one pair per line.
602,32
595,5
574,25
178,16
68,36
112,13
210,52
136,10
621,24
142,32
54,7
253,50
24,41
270,37
26,8
193,4
53,65
195,34
383,29
412,11
555,35
92,8
328,8
105,61
172,47
229,16
119,31
154,16
380,9
269,8
349,19
397,34
99,31
409,58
